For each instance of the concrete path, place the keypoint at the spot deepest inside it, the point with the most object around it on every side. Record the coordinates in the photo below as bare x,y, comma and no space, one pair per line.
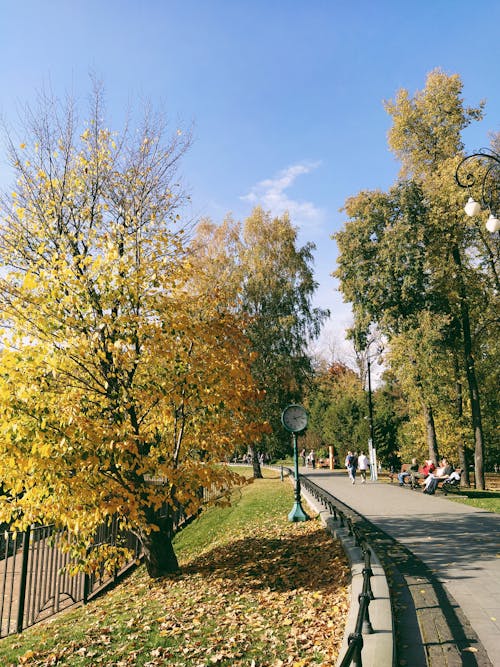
459,544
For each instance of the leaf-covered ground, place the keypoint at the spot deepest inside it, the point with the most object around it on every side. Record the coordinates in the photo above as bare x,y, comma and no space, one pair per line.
254,590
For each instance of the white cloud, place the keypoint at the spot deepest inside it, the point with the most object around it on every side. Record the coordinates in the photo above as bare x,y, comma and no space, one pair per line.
272,196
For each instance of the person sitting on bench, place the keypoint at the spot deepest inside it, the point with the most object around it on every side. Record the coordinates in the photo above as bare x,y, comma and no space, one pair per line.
412,473
442,473
454,478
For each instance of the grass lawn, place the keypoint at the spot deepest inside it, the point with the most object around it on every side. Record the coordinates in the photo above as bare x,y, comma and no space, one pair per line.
254,589
486,500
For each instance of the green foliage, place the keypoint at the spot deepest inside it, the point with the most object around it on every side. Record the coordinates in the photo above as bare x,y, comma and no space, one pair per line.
273,280
390,414
428,279
337,406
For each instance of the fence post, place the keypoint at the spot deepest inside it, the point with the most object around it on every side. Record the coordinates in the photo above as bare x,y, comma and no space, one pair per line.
86,583
367,572
364,602
356,638
24,578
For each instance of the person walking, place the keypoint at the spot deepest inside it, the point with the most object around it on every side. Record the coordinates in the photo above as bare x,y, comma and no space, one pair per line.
312,458
363,466
351,463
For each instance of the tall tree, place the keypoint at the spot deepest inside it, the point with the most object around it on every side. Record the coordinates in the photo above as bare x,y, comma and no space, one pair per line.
274,281
382,270
119,366
426,136
425,257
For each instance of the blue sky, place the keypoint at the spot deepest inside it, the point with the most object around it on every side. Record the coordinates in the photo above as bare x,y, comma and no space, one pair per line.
286,97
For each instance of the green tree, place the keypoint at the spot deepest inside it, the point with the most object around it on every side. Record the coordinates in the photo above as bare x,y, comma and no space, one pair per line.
337,406
382,270
390,416
418,257
273,280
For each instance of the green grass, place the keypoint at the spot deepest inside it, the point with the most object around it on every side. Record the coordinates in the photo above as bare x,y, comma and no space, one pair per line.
253,587
288,462
486,500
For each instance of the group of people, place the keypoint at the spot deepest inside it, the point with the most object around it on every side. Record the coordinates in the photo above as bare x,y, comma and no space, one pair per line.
446,472
308,459
354,462
430,474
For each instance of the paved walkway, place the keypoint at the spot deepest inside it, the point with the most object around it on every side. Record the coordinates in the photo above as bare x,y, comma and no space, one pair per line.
460,545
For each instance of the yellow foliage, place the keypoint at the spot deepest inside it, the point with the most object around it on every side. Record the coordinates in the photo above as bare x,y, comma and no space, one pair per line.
119,365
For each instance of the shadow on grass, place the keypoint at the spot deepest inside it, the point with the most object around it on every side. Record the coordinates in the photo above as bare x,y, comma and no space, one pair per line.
472,493
311,561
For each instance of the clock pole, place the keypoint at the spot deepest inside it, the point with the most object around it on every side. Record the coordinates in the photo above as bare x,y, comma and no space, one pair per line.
297,513
294,419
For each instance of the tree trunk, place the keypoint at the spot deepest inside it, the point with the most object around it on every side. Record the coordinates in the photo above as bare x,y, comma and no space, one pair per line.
257,472
470,371
462,454
159,555
462,460
430,429
430,432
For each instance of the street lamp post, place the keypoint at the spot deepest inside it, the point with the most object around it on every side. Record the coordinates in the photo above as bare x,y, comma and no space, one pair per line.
479,173
487,185
365,346
371,443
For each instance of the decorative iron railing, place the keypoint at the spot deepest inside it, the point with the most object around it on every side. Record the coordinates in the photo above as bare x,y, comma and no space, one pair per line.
353,523
34,579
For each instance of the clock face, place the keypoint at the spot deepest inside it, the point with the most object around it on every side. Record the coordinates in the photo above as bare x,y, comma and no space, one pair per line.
294,418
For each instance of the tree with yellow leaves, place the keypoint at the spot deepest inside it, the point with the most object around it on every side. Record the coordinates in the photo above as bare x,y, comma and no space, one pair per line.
272,278
124,381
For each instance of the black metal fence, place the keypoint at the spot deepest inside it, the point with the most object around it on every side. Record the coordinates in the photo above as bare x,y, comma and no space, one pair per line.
353,523
35,582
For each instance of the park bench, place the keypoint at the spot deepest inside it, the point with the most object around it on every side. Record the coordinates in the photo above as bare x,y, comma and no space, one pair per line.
448,487
409,480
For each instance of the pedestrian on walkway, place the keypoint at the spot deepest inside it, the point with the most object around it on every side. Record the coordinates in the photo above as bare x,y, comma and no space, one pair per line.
363,466
351,463
312,458
347,463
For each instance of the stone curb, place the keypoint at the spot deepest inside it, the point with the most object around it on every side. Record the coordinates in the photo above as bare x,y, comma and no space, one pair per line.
378,648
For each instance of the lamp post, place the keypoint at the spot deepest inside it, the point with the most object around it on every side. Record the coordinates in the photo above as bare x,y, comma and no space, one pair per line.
485,179
294,419
372,450
487,184
371,443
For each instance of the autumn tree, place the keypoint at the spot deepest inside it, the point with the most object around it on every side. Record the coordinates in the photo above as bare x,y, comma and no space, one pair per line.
425,259
426,137
125,380
274,283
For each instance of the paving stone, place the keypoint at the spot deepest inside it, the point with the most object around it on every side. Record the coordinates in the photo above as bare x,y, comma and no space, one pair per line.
422,565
